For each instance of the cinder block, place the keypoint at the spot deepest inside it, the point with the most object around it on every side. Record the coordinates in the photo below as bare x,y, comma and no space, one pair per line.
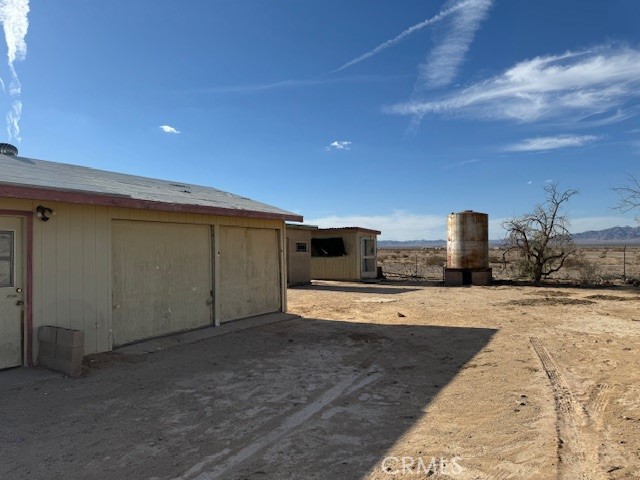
72,354
47,334
46,361
73,369
481,278
453,277
70,338
47,349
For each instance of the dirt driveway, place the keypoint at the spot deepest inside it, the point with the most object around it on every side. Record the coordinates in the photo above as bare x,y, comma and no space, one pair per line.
375,381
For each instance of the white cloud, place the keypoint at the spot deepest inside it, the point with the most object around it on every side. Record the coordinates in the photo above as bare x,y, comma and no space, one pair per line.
338,145
443,62
402,225
579,84
551,143
462,163
265,87
451,9
168,129
399,225
15,23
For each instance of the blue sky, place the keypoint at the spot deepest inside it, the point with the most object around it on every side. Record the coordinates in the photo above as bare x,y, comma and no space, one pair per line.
382,114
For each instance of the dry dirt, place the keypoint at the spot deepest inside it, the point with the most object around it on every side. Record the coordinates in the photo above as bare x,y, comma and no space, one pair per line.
381,381
553,394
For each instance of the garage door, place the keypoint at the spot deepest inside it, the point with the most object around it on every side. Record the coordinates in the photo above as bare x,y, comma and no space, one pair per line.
161,279
249,272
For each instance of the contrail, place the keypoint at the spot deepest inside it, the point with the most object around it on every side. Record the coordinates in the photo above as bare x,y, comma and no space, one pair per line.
15,22
419,26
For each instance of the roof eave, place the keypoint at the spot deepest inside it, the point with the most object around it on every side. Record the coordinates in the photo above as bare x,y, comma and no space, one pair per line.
107,200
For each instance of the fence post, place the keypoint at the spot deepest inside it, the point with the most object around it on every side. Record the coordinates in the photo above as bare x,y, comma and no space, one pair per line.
624,263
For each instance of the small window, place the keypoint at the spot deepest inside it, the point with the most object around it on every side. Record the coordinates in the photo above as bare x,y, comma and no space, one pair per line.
301,247
6,259
327,247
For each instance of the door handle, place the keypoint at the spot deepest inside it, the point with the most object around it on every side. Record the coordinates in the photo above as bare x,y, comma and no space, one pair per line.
19,302
12,296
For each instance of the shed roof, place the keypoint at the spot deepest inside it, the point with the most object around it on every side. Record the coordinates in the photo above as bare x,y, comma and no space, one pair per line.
349,229
22,177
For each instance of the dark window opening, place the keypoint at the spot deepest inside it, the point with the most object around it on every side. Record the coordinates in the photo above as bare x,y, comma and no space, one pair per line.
327,247
301,247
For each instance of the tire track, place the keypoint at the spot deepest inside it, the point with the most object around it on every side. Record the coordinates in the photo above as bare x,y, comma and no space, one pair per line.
577,447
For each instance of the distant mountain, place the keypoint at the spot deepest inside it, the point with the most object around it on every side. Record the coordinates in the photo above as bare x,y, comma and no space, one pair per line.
609,235
615,235
411,243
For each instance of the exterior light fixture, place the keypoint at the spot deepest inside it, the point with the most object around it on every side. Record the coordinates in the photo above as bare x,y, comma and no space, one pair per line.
44,213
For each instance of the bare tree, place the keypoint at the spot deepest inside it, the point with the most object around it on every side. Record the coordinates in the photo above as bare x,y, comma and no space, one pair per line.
542,237
629,194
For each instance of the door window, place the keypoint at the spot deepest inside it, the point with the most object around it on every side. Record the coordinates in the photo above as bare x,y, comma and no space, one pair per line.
6,259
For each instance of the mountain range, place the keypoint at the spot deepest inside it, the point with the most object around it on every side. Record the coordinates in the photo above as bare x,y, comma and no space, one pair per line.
614,235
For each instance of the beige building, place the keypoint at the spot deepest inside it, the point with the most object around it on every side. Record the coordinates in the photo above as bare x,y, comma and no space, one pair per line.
123,258
348,253
299,253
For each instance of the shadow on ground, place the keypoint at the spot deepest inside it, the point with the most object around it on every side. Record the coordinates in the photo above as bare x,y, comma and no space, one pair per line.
378,288
304,398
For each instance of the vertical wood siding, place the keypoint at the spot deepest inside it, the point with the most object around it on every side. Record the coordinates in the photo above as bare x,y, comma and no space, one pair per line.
72,263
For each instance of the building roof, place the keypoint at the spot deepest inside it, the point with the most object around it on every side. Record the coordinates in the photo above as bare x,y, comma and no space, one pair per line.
42,180
349,229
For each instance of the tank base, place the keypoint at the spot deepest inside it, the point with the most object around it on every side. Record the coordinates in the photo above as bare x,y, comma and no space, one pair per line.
456,277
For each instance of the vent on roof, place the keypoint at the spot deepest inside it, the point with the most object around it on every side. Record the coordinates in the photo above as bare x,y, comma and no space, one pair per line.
8,149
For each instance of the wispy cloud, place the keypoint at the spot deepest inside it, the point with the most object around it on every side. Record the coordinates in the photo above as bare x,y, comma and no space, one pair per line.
551,143
580,84
443,62
338,145
15,23
449,10
462,163
169,129
261,87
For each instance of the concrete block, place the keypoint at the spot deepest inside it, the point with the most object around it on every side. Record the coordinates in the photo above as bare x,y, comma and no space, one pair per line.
47,334
73,369
453,277
70,338
47,349
46,361
72,354
481,278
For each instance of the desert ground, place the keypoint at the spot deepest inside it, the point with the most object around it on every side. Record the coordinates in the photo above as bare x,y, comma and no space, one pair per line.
398,379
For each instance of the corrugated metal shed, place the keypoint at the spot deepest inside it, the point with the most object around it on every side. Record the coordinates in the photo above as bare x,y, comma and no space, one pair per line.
22,177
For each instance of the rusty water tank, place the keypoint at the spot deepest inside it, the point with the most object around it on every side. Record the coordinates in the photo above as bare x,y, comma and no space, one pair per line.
468,240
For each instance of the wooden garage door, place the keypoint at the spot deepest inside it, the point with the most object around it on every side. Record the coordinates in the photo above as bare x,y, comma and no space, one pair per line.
249,272
161,279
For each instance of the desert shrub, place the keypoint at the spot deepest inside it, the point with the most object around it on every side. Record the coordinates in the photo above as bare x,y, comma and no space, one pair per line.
495,258
588,273
433,260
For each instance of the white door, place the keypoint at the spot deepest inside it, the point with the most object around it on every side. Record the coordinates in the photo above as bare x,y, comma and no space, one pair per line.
368,258
11,292
162,279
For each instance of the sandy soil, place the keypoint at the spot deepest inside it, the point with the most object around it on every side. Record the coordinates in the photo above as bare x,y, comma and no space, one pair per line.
392,380
553,394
